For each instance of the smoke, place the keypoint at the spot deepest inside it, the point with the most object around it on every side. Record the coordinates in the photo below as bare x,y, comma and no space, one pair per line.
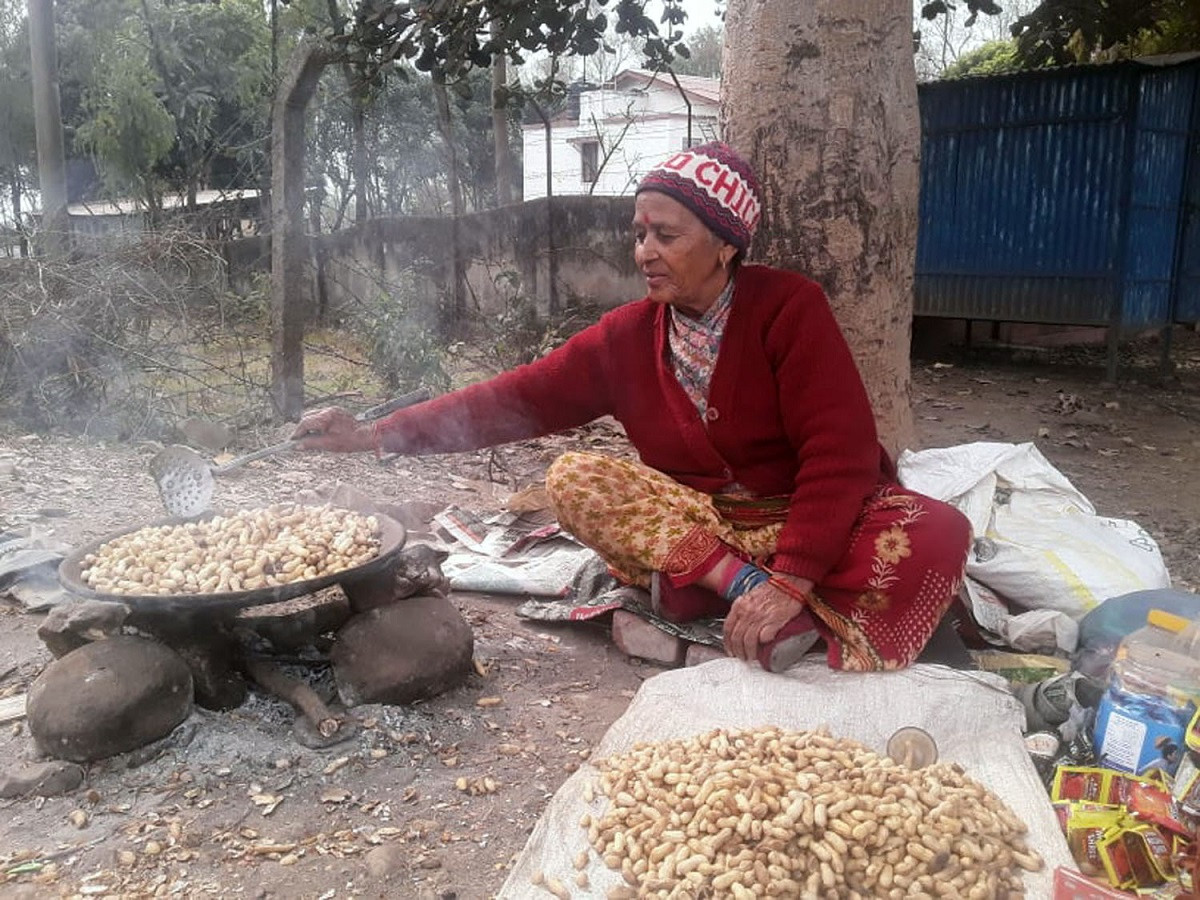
100,344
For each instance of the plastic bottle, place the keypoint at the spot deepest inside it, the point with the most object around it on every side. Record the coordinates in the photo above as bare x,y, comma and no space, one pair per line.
1186,631
1102,630
1152,694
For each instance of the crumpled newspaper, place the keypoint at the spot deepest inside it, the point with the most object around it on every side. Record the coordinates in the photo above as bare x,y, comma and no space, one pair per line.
595,591
29,569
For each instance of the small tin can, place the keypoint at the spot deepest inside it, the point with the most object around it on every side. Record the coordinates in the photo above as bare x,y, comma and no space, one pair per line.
1043,747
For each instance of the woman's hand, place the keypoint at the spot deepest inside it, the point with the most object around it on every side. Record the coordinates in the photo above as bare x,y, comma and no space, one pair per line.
333,429
758,615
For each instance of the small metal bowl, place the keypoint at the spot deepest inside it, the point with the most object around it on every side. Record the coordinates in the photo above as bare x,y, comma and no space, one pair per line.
913,748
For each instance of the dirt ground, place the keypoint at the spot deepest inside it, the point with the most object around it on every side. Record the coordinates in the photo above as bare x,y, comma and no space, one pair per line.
232,806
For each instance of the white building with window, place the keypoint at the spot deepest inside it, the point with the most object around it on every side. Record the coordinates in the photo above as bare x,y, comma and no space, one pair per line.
609,136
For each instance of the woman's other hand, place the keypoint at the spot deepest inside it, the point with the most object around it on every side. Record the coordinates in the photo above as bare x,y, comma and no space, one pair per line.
757,616
333,429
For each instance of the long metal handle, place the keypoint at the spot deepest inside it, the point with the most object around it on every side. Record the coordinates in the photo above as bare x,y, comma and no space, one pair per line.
375,412
412,398
239,461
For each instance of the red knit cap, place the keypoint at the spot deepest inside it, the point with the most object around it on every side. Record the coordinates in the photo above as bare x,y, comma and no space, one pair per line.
716,184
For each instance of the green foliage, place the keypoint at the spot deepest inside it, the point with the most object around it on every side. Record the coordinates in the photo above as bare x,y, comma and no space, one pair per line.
1176,30
405,150
250,306
1068,31
518,334
704,53
992,58
453,36
1059,32
130,67
213,64
473,135
935,8
402,344
18,145
128,131
510,332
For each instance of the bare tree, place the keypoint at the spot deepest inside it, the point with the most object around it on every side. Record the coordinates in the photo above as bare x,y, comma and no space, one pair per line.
609,143
944,39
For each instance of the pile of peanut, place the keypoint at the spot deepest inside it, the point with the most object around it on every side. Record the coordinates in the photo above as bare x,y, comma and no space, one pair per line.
772,813
245,551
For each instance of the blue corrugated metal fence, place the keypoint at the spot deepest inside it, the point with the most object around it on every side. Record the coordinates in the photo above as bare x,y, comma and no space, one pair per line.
1061,197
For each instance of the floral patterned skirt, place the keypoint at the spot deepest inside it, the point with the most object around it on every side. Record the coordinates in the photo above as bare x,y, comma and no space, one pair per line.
876,608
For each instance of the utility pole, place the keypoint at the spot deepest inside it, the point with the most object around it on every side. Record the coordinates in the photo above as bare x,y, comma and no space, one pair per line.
504,160
47,120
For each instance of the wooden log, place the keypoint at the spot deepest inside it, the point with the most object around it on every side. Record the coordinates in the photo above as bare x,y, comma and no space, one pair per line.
12,708
302,698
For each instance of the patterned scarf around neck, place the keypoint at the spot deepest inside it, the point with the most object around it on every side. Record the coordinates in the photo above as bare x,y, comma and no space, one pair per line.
694,343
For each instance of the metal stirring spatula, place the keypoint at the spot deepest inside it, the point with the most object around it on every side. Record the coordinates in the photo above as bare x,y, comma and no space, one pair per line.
185,479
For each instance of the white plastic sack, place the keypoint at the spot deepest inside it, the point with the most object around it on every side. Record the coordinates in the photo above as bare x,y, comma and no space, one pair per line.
1032,631
1038,542
975,721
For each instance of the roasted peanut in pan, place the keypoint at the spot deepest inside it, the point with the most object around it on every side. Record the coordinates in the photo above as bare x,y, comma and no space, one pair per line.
249,550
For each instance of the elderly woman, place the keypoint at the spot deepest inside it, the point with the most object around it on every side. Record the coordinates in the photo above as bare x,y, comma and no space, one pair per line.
762,493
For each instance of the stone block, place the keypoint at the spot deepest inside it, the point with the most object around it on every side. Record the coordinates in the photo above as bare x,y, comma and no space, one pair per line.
45,779
108,697
698,654
403,652
72,625
635,636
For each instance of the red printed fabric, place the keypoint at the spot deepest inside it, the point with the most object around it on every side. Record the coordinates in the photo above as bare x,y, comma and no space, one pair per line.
786,410
876,608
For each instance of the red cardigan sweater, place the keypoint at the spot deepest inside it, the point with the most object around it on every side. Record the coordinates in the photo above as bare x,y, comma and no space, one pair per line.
787,411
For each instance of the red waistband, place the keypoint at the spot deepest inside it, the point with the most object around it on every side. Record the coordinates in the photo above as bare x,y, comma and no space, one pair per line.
751,512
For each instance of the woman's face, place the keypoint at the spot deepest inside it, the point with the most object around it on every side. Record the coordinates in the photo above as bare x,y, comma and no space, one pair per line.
684,263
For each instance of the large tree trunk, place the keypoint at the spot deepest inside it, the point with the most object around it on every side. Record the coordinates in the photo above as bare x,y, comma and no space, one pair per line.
822,98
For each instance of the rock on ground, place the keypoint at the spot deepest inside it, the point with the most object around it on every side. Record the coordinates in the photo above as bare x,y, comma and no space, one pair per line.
108,697
635,636
401,653
385,861
46,779
72,625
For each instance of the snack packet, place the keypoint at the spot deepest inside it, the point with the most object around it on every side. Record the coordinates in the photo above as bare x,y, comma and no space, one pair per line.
1127,860
1185,790
1158,849
1154,805
1086,831
1080,783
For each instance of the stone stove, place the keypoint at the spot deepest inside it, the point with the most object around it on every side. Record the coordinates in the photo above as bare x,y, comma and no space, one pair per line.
222,652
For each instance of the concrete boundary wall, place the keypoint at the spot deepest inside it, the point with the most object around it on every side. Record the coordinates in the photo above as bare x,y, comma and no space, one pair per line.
506,252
